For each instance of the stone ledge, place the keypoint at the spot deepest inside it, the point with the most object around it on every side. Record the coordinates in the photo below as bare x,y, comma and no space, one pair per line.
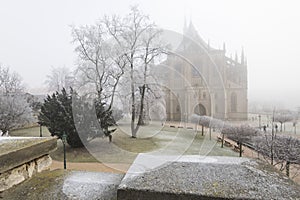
195,177
15,151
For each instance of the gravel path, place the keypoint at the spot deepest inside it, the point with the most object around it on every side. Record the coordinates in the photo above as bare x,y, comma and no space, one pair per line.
97,167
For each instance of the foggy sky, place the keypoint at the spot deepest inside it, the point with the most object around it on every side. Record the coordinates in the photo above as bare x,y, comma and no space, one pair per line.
36,35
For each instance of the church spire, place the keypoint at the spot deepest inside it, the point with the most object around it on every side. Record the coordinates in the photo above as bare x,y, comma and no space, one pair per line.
184,25
242,56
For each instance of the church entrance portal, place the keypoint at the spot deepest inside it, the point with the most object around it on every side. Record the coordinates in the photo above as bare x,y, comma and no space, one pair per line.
200,109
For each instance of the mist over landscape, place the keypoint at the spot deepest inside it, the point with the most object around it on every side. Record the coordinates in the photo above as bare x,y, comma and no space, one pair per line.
37,36
132,99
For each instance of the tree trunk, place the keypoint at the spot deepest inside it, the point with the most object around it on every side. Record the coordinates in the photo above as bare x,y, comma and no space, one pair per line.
202,129
209,133
280,127
287,168
141,114
272,155
222,145
133,131
241,149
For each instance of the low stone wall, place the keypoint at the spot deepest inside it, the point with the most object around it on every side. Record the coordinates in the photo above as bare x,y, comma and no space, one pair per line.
23,172
21,158
67,185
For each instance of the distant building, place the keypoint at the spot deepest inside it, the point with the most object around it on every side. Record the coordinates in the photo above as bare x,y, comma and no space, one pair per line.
203,80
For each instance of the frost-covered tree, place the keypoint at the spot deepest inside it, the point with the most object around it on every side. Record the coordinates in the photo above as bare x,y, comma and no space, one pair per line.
240,134
203,120
99,66
282,118
287,150
208,122
14,108
10,82
279,150
59,78
14,112
138,39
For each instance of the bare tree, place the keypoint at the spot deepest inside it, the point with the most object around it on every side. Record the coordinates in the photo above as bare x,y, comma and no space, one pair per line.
241,134
138,37
281,150
10,82
283,118
14,112
59,78
201,120
208,122
287,150
100,66
295,122
14,109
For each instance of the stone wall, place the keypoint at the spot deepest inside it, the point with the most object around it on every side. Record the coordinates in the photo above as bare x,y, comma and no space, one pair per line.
21,158
19,174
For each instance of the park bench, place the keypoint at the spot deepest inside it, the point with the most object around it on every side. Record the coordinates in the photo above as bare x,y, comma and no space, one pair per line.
227,144
237,148
219,139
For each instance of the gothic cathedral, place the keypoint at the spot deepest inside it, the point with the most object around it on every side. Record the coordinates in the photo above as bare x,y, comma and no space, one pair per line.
204,81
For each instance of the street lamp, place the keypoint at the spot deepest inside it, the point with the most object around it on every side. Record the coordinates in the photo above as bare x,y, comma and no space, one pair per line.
64,140
41,131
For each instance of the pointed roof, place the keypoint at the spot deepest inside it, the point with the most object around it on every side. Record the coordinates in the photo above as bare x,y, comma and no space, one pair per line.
193,34
192,38
242,56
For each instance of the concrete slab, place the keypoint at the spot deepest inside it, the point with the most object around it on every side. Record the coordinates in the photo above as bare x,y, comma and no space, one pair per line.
195,177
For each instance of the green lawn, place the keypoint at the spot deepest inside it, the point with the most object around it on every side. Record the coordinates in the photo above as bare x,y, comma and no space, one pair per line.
151,139
30,132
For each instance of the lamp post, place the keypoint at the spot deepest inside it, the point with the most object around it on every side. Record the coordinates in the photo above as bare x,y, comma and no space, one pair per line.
41,131
64,140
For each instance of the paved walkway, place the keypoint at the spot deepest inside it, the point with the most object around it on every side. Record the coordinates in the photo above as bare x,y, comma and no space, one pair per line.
96,167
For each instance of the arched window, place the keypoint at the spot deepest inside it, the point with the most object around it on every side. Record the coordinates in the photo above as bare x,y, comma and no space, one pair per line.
233,102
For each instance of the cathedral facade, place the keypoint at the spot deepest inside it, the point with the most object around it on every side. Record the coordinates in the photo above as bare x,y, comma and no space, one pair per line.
203,80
